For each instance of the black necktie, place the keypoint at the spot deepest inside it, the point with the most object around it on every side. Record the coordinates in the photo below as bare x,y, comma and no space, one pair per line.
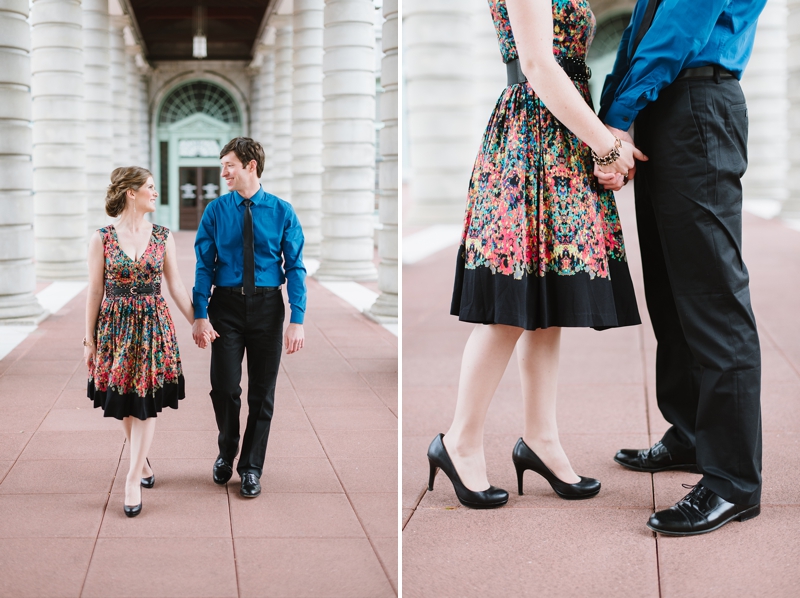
649,15
249,281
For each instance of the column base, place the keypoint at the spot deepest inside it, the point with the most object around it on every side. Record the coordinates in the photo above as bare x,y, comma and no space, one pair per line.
329,270
21,310
68,271
384,310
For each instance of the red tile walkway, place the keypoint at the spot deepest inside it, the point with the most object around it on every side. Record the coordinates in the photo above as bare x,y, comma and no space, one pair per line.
540,545
325,524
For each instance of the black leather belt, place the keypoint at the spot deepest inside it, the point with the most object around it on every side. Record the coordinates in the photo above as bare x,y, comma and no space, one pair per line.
130,290
712,71
240,290
576,69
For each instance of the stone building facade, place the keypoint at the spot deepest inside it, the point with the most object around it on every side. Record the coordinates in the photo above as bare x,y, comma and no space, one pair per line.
81,94
448,100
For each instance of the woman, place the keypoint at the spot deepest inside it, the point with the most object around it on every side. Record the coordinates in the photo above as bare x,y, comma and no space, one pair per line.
542,246
130,346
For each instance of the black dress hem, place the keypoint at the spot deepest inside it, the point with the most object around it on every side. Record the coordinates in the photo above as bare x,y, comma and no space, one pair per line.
120,406
568,301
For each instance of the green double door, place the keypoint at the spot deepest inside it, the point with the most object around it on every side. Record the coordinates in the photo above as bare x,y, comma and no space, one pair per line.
198,186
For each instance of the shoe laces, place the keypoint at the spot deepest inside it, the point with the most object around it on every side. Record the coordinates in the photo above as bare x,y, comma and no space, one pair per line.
697,493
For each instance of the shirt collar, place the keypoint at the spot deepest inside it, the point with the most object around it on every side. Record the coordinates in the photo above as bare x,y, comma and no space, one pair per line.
261,197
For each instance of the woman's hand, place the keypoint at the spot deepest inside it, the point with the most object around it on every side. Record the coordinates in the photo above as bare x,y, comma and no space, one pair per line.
613,181
89,356
628,154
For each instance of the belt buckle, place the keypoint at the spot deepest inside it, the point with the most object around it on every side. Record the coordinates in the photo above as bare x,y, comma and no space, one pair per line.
242,290
133,290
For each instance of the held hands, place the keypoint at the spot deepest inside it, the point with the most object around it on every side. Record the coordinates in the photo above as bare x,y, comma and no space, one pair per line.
293,338
203,332
617,174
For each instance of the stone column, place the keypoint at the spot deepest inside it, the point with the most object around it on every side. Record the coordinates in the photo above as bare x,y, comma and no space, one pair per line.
791,208
133,83
255,101
764,85
282,114
439,92
348,136
385,307
144,122
266,115
59,156
307,27
121,126
97,109
17,273
488,72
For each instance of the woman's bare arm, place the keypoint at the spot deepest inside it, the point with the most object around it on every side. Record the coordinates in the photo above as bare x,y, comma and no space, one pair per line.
532,23
94,295
174,283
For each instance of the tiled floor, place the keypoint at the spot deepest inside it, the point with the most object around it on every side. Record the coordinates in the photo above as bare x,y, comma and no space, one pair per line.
325,524
540,545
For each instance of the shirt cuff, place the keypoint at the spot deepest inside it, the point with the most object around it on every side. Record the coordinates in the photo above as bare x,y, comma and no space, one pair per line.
298,315
620,117
200,305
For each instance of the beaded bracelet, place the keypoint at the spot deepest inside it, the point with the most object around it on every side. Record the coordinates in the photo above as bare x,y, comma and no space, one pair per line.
609,158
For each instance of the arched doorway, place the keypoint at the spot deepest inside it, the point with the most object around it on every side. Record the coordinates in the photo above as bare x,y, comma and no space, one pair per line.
195,121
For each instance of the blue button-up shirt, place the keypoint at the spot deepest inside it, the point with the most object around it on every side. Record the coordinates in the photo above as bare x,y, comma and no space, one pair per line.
278,240
684,34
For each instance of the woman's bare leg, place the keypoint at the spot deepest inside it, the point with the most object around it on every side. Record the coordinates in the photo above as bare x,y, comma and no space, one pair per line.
537,355
486,356
126,426
141,438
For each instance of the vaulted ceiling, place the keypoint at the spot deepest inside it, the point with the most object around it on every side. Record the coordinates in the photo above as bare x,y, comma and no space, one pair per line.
167,27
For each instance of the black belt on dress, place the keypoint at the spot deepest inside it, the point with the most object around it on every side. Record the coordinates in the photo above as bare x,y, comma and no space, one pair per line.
240,290
712,71
576,69
131,290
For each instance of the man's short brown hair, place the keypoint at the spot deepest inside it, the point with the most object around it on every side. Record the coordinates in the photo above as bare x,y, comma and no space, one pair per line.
246,150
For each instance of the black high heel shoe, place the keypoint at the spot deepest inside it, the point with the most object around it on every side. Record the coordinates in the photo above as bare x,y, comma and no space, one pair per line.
132,511
485,499
151,481
524,458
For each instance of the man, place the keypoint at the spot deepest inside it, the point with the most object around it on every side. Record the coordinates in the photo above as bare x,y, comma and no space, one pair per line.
249,243
677,76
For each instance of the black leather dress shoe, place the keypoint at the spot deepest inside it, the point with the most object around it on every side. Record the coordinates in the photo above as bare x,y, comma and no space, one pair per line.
251,487
699,512
655,459
222,471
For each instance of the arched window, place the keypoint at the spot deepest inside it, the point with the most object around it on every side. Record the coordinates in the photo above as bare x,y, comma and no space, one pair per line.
609,32
199,96
603,50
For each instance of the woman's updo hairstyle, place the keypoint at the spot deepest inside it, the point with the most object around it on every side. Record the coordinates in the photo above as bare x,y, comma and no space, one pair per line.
122,179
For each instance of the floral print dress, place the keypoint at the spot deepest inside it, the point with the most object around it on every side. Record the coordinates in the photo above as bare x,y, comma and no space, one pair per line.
137,370
542,243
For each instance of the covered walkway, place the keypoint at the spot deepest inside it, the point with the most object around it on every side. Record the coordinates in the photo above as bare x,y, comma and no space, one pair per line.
324,525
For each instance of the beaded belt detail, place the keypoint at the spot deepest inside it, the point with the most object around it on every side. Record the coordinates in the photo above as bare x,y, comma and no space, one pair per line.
130,290
576,69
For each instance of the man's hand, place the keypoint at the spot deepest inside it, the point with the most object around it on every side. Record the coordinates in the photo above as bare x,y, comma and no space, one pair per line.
203,332
293,338
621,135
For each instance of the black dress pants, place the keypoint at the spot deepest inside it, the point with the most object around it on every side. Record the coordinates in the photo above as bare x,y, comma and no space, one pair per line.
253,324
689,216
